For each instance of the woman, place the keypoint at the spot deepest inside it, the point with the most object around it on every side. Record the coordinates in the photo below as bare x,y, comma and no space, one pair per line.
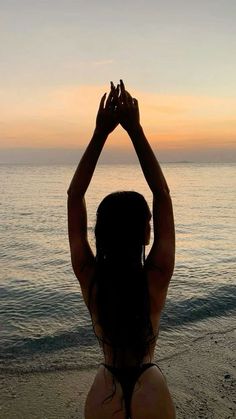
125,292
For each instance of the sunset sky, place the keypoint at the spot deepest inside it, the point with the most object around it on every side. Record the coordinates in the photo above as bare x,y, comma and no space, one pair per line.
177,57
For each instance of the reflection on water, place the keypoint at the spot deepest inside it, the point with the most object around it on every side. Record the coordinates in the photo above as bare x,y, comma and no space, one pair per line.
42,315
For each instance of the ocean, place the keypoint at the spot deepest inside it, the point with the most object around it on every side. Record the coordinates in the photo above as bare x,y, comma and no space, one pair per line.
44,324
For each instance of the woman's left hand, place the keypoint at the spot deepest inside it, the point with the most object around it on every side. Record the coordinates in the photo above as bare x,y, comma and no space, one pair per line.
107,116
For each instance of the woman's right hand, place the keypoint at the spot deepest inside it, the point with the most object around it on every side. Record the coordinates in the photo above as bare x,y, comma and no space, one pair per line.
107,116
128,110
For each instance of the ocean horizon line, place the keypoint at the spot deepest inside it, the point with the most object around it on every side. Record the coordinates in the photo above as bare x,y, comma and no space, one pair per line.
118,156
117,163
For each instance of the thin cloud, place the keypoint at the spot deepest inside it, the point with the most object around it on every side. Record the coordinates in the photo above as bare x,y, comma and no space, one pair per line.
102,63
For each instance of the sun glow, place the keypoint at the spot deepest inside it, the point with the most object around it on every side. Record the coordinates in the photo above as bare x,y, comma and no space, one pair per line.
65,117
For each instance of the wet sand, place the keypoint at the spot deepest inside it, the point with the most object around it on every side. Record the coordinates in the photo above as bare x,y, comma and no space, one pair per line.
201,381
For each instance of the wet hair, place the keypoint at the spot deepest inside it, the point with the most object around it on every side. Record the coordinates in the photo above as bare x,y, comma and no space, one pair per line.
121,297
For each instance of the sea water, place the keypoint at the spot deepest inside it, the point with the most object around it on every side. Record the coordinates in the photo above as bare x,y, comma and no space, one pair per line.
44,324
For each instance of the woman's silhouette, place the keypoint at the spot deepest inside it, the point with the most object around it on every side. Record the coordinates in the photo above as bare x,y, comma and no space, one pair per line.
124,291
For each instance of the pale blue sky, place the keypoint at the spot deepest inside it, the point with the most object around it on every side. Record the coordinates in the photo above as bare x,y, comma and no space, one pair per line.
171,45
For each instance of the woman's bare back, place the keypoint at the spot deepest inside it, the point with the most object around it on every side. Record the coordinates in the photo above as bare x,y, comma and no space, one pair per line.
150,397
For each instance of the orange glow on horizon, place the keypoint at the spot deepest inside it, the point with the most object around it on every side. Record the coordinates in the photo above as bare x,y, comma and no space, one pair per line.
65,118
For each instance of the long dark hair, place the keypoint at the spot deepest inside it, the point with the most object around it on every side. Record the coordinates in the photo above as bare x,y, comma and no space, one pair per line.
121,297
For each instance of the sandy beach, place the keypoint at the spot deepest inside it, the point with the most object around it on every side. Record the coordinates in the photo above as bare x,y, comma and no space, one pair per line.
201,380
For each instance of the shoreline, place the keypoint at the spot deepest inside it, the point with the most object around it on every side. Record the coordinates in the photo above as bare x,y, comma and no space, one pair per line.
201,381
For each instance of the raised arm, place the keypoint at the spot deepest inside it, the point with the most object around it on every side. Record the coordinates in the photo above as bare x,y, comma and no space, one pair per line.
162,254
81,254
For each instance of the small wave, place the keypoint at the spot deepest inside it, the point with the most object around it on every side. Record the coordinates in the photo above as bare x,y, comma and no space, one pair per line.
192,310
81,338
26,213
